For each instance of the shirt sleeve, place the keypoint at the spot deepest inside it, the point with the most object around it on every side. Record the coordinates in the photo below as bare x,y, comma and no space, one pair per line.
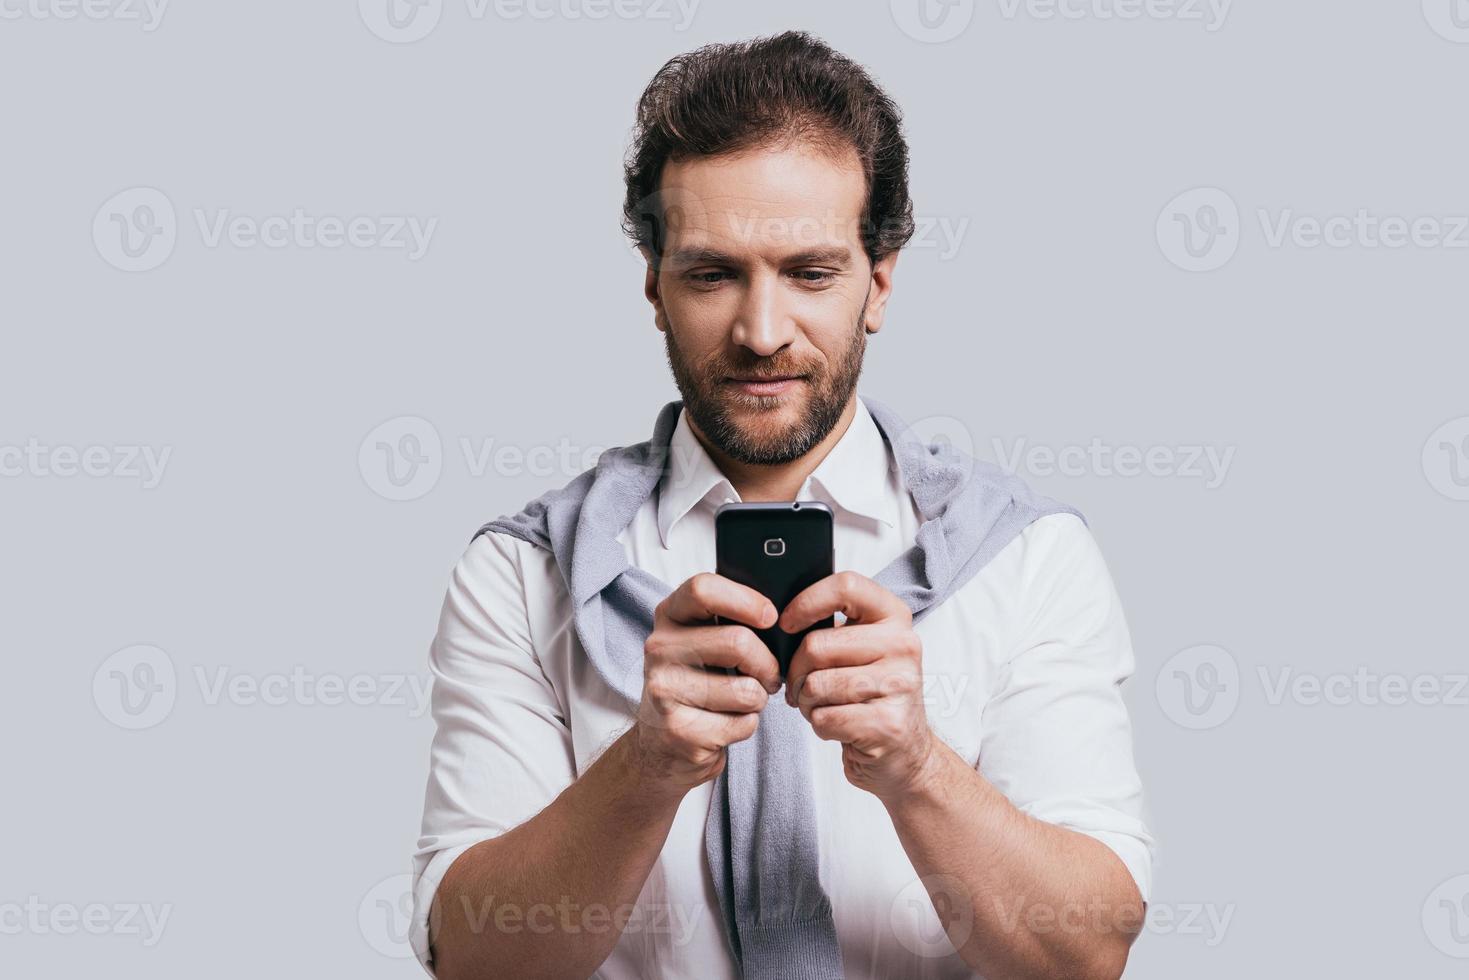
502,749
1057,740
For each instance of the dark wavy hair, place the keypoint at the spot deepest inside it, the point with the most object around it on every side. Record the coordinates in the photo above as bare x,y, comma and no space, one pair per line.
765,92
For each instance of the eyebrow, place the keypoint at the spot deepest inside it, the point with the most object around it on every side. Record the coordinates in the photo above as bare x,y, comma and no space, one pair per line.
833,255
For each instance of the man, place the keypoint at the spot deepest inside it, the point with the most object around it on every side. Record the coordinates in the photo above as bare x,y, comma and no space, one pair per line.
974,807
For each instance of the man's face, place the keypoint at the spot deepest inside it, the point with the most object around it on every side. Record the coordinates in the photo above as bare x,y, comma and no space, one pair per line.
764,276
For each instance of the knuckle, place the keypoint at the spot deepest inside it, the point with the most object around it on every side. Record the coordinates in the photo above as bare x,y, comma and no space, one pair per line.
746,647
814,644
912,645
734,642
905,684
891,725
656,688
752,695
679,729
701,586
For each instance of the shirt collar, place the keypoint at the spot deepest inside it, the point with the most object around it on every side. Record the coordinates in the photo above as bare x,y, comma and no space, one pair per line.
854,475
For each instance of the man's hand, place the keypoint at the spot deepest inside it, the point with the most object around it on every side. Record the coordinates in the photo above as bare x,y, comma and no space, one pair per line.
861,683
688,714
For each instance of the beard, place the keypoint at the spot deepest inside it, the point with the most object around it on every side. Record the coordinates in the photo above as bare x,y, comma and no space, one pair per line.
748,428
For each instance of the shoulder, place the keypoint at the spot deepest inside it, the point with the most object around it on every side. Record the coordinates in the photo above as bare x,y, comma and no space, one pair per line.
508,565
493,552
1056,541
1063,577
499,558
1059,547
1044,550
489,578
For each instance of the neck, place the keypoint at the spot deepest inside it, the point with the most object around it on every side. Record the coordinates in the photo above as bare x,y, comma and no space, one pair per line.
757,482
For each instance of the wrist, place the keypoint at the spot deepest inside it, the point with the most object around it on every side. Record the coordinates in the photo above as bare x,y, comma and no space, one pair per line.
927,776
646,775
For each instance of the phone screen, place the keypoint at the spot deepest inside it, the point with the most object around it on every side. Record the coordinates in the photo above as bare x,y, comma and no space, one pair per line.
778,549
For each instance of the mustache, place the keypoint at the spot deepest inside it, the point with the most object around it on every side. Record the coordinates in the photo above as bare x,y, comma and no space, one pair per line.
761,371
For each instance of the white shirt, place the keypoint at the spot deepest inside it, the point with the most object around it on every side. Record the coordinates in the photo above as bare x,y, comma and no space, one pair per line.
1022,670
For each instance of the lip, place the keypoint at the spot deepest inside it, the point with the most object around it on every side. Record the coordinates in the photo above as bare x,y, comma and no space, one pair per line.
765,387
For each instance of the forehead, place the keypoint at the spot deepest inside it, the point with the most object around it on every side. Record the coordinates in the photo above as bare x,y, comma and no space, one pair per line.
764,201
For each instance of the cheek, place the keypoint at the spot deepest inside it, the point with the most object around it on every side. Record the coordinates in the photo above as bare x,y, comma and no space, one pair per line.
704,323
702,318
831,313
835,334
699,339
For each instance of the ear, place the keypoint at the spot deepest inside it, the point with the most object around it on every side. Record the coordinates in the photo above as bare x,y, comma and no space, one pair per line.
882,288
650,290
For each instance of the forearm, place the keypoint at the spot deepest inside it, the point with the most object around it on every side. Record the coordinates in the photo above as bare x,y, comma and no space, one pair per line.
1046,902
550,897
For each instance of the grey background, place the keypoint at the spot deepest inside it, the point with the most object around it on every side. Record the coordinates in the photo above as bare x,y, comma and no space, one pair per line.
1334,542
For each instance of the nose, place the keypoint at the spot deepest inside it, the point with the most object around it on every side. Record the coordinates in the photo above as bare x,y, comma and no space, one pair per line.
763,323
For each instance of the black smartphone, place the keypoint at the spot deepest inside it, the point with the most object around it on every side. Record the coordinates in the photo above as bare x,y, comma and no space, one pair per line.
778,549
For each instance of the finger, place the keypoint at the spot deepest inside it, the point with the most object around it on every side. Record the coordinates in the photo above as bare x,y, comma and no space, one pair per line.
715,692
846,685
730,646
712,730
842,646
855,596
706,595
844,723
737,728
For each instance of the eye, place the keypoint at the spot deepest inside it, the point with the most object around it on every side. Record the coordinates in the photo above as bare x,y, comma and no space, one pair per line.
815,277
709,277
